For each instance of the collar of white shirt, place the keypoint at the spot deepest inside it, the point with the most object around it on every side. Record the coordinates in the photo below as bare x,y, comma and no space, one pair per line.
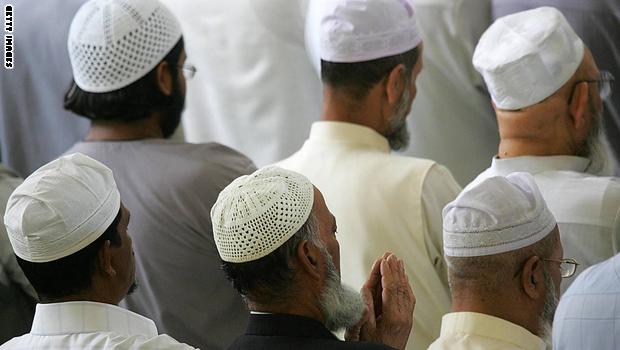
88,317
487,326
348,133
534,164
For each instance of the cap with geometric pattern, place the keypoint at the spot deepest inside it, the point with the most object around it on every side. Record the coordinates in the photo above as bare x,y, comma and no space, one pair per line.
113,43
258,213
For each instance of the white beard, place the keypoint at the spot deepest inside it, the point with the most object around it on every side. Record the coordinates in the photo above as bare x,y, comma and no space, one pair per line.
341,306
546,318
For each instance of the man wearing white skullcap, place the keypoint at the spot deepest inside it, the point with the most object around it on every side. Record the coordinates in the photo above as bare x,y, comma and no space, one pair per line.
277,240
505,265
371,56
68,229
547,93
130,71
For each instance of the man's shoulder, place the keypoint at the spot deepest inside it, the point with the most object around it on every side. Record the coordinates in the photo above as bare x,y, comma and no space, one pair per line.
101,340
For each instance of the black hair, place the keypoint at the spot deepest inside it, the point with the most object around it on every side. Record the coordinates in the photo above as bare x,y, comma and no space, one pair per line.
270,279
133,102
359,77
72,274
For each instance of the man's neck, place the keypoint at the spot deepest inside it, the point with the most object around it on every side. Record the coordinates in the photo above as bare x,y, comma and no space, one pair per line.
517,147
147,128
339,106
93,296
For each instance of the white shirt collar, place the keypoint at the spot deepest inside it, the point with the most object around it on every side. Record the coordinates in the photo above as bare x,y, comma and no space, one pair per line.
487,326
348,133
89,317
535,164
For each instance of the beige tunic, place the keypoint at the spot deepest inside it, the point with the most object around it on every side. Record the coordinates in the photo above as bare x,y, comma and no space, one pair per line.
383,202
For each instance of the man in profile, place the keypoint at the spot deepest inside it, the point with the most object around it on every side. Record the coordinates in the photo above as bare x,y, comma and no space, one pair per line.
277,240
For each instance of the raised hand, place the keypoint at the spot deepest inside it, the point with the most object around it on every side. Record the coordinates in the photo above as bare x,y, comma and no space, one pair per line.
390,303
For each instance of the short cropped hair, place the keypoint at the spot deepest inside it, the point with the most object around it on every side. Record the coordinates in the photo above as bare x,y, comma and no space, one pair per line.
72,274
133,102
358,78
271,279
490,273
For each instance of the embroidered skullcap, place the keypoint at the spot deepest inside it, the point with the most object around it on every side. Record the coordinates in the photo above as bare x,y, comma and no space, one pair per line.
61,208
113,43
362,30
497,215
527,56
257,213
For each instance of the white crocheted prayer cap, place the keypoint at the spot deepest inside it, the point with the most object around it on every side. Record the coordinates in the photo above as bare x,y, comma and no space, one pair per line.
113,43
363,30
257,213
527,56
61,208
497,215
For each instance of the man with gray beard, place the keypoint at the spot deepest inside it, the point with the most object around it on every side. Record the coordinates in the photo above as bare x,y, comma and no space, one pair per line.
277,240
547,93
505,265
371,56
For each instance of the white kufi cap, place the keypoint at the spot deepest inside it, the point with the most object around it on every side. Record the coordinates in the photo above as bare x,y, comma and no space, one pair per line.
257,213
497,215
61,208
363,30
527,56
113,43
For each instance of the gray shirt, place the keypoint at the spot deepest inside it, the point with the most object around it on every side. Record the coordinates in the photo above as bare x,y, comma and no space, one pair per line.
34,127
169,188
597,22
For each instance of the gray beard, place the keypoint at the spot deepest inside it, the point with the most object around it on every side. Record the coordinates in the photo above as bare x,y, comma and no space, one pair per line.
341,306
546,318
398,137
594,147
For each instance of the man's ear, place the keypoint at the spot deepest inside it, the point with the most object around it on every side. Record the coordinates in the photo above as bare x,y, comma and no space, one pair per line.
579,105
308,256
395,84
164,78
533,278
105,265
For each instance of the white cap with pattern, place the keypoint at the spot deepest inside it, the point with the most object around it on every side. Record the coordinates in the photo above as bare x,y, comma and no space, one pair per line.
496,215
113,43
257,213
61,208
362,30
527,56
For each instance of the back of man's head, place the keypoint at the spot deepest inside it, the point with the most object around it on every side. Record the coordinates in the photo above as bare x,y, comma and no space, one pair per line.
57,221
528,56
361,42
258,221
115,48
498,237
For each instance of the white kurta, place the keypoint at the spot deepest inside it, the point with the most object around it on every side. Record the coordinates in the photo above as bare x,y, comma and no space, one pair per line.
476,331
383,202
586,207
90,325
255,89
588,313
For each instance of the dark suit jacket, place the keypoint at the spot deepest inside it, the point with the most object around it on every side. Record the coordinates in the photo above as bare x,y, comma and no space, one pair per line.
281,331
